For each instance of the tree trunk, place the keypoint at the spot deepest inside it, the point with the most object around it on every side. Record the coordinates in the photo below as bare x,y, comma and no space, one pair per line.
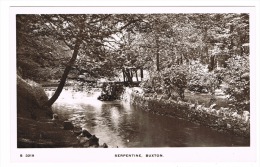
123,71
157,53
212,63
210,58
65,74
142,74
127,74
136,75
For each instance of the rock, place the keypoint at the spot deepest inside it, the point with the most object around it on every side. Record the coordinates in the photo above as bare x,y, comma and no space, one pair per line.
228,126
104,145
246,116
204,109
213,106
234,114
245,76
170,99
231,105
85,133
139,90
223,109
67,125
246,113
55,117
207,110
93,141
30,99
217,112
82,140
204,90
181,103
245,119
86,144
192,106
77,131
178,99
199,107
243,129
155,95
214,111
239,116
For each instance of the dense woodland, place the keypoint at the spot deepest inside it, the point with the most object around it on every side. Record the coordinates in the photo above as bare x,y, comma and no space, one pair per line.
196,52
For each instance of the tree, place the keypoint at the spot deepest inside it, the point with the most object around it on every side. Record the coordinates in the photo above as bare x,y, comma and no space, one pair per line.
165,44
83,35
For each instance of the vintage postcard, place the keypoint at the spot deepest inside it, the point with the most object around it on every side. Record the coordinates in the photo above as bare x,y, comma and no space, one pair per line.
128,84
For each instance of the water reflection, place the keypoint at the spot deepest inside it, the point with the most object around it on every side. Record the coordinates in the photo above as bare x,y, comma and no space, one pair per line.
119,124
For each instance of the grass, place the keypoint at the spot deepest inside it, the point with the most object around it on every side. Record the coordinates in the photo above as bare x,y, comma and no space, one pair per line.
204,98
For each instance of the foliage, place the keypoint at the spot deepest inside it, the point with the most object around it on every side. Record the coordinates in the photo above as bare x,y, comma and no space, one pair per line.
197,51
169,81
49,41
238,80
133,39
175,79
207,43
197,78
201,80
38,56
153,84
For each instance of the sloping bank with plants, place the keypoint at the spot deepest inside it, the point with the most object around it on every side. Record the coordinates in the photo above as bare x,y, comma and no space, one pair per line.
171,92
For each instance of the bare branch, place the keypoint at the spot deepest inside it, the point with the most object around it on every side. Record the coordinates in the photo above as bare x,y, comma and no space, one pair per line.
100,19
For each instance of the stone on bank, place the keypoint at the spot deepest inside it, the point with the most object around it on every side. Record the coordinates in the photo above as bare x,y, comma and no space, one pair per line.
223,119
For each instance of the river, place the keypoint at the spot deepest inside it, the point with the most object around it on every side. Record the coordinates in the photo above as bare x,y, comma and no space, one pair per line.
119,124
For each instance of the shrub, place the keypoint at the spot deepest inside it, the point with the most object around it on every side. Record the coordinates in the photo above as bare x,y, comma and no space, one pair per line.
153,84
175,80
237,77
201,80
169,81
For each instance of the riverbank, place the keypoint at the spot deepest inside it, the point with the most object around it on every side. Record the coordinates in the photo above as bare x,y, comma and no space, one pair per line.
39,127
51,133
43,133
225,120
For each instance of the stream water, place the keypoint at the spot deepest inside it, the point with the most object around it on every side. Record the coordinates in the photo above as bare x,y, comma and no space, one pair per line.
119,124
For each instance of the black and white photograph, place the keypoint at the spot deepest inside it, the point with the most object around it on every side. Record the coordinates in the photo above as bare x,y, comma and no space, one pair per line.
133,80
130,84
